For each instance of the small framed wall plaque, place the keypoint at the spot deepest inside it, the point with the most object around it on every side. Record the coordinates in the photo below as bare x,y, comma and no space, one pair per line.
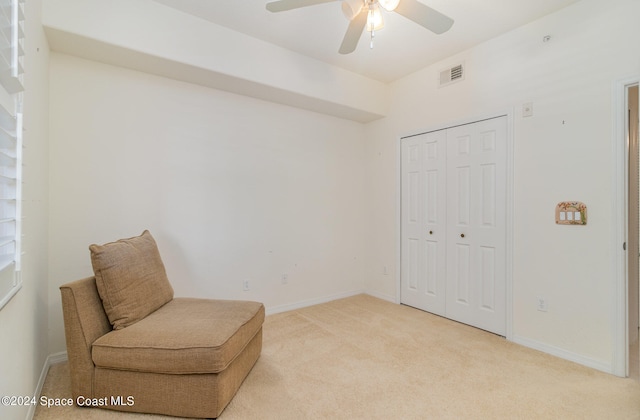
571,213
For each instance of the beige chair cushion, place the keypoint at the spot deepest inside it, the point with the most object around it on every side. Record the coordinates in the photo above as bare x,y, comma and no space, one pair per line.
185,336
130,278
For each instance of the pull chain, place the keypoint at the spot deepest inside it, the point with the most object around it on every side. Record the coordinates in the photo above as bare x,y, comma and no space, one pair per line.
371,22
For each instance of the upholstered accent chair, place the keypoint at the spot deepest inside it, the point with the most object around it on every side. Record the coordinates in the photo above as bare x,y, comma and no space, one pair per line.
132,346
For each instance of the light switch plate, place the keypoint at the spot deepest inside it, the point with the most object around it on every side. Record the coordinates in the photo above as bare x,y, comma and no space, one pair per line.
571,213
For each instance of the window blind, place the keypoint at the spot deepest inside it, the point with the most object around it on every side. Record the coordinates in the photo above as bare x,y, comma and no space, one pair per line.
11,81
12,45
10,203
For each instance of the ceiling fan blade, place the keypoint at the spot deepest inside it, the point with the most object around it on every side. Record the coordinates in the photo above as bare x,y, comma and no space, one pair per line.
424,15
283,5
354,31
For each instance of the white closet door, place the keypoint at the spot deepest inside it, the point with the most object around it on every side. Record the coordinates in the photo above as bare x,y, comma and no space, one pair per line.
453,247
424,221
476,228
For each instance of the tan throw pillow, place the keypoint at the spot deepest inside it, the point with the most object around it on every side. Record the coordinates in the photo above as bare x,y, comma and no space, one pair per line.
131,279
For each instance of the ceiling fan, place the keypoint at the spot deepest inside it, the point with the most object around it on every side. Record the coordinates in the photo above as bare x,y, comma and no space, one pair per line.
366,14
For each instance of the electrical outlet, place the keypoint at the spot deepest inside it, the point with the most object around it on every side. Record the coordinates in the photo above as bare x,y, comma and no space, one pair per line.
542,304
285,278
245,285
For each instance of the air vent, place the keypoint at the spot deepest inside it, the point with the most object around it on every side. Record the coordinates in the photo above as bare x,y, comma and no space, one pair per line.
451,75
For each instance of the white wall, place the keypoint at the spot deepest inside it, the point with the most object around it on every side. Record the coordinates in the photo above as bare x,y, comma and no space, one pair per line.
231,187
563,152
23,321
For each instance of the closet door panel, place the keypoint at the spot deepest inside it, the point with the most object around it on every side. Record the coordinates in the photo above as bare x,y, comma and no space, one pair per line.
423,265
476,283
411,221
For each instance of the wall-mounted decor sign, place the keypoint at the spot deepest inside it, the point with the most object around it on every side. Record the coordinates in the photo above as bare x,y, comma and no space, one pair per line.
571,213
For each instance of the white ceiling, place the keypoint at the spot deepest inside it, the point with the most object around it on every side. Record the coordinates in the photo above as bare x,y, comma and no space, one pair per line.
401,48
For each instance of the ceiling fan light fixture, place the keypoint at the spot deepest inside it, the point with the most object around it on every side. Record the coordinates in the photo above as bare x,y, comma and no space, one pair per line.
375,22
351,8
389,5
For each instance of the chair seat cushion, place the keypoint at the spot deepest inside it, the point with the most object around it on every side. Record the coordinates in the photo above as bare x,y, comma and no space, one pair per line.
184,336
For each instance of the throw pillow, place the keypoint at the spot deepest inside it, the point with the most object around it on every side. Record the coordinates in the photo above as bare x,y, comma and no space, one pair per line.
131,279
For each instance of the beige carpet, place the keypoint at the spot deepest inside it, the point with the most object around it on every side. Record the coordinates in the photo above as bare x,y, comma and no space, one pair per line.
364,358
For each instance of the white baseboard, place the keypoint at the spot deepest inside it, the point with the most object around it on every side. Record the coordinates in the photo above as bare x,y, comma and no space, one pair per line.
564,354
310,302
52,359
56,358
383,296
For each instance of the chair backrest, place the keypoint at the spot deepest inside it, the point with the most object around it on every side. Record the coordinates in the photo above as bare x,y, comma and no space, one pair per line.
84,322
